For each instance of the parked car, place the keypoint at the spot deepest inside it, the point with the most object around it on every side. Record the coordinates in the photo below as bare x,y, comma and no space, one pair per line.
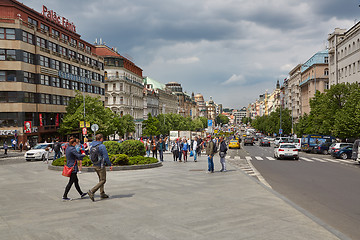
264,142
234,144
296,142
286,150
323,148
248,140
337,146
38,152
343,153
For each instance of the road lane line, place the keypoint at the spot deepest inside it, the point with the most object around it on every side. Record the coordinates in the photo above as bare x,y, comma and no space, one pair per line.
248,158
318,159
259,158
306,159
346,161
331,160
270,158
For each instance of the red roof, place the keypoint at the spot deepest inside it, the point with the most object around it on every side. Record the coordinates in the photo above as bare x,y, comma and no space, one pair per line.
105,51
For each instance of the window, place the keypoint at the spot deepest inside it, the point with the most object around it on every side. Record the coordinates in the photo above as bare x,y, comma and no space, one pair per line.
66,100
8,76
44,61
44,28
52,46
55,33
80,57
73,42
87,60
354,68
7,55
121,87
74,70
326,72
29,97
88,48
121,100
66,84
29,77
7,33
72,54
74,85
28,57
28,37
55,64
45,98
55,82
45,80
114,100
32,21
66,67
114,86
326,59
64,37
81,45
40,42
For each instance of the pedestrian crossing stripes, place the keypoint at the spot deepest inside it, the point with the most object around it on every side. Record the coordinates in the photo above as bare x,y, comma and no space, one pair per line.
304,159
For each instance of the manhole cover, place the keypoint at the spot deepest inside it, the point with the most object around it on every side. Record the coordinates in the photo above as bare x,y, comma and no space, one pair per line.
196,170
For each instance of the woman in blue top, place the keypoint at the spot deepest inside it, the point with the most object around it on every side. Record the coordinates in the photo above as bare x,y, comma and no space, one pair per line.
71,161
185,149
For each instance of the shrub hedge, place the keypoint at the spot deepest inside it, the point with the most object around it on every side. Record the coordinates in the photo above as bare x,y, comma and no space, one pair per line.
112,147
116,160
132,148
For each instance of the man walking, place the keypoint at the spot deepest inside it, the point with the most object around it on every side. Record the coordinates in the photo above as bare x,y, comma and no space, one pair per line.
194,148
99,156
222,153
57,149
161,148
5,148
210,154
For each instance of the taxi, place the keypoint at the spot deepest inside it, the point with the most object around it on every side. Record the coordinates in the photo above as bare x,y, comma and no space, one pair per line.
234,144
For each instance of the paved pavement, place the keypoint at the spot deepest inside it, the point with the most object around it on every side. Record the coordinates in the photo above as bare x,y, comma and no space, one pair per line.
11,153
176,201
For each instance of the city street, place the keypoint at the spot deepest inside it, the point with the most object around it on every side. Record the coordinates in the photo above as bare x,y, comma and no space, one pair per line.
326,187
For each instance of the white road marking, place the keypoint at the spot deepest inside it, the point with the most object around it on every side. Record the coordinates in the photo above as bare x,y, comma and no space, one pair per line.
248,158
270,158
318,159
237,157
227,157
346,161
306,159
259,158
331,160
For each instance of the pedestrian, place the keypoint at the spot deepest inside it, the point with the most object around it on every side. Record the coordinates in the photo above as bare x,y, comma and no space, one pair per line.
210,154
175,149
154,148
71,161
161,148
166,143
194,147
46,155
27,145
21,146
181,143
14,143
200,145
80,149
5,148
86,146
57,149
222,153
99,166
185,148
148,147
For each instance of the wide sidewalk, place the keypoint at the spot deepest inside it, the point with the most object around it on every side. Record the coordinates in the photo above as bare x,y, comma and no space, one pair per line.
175,201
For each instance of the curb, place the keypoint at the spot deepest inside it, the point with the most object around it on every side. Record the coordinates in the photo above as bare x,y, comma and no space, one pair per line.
115,168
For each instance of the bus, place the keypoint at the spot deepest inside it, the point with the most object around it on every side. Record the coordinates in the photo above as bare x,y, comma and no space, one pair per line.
310,141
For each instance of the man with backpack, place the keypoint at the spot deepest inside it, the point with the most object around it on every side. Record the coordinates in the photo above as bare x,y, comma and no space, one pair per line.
222,153
57,149
210,153
99,157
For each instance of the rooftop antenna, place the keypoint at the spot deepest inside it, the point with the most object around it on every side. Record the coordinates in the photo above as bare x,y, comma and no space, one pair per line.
96,41
100,41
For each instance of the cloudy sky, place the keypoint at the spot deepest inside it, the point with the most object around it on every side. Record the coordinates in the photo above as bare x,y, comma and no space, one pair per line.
232,50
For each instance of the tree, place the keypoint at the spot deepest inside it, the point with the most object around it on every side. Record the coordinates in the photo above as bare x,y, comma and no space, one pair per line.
151,126
95,112
128,124
221,119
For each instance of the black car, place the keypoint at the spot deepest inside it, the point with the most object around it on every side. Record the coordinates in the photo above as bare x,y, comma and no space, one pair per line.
323,148
264,142
248,140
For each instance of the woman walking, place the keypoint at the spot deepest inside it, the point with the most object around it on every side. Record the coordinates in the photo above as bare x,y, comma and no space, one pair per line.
71,161
148,147
154,148
185,149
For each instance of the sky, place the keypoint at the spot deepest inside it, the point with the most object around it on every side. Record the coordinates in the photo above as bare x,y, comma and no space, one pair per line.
230,50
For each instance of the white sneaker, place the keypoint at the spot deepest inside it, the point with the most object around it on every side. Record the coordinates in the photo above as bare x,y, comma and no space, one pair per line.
79,172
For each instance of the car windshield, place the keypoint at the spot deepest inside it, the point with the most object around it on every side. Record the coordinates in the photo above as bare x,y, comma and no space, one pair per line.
287,146
233,141
40,146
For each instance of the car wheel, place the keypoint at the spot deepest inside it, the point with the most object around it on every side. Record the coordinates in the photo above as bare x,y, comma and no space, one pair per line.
28,160
296,158
343,156
43,158
325,152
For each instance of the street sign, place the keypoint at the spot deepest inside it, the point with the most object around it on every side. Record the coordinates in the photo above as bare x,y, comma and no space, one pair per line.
280,131
81,123
210,123
84,131
94,127
216,131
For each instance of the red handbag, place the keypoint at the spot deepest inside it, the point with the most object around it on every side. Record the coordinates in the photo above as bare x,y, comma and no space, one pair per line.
68,170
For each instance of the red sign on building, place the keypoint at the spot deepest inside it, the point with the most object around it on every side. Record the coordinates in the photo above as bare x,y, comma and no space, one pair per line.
40,120
27,126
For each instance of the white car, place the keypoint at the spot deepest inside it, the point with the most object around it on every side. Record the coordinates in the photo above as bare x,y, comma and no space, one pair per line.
38,152
286,150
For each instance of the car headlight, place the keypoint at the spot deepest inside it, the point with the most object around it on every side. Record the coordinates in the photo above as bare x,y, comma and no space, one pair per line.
37,154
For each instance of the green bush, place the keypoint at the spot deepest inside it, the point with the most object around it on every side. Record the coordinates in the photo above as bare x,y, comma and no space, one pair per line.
59,161
141,160
112,147
119,159
132,148
86,162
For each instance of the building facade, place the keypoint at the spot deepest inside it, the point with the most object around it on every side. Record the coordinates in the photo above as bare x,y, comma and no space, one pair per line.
123,86
314,77
344,55
187,104
43,62
201,105
293,93
151,103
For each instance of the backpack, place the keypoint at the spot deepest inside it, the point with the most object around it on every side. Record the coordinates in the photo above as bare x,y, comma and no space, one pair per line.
215,149
57,147
95,156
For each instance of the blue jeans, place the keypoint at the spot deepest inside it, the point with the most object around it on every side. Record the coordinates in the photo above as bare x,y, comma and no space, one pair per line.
161,153
211,164
57,155
148,153
194,152
180,153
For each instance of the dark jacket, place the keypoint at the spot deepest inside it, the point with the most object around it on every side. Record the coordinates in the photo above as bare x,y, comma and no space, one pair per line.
72,156
223,147
160,146
103,152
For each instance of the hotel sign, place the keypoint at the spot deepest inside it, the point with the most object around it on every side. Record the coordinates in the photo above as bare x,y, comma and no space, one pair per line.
52,16
69,76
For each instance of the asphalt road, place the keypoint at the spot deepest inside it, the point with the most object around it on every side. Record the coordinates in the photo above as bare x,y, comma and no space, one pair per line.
326,187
